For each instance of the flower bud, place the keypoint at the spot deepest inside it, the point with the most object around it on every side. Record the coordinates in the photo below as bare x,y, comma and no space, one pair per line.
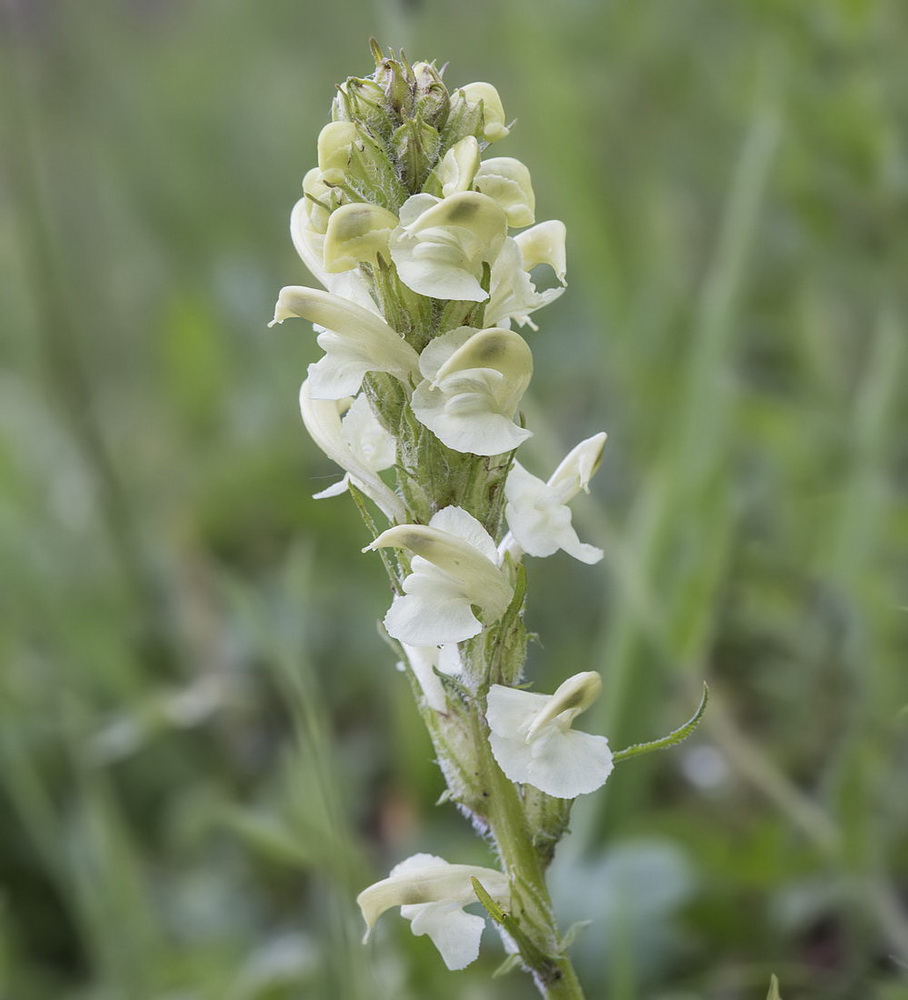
363,103
433,103
335,147
483,96
415,146
395,78
320,200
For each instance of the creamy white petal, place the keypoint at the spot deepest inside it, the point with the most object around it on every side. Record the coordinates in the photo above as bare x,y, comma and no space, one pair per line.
366,437
449,659
544,244
513,296
322,419
335,143
569,764
578,467
357,232
508,182
422,620
458,166
424,661
310,245
494,127
456,934
321,199
441,244
333,491
460,416
449,575
533,743
469,397
537,512
355,341
427,878
431,893
458,522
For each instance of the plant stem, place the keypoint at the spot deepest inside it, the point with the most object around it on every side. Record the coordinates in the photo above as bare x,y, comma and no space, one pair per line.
531,922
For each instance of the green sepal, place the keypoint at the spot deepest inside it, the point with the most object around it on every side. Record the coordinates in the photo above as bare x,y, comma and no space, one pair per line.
673,739
502,648
415,145
773,993
548,818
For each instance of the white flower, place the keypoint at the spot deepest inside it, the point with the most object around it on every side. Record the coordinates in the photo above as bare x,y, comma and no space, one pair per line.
308,225
538,513
354,339
454,567
356,232
507,181
513,293
425,661
492,109
474,380
532,740
441,244
431,894
359,445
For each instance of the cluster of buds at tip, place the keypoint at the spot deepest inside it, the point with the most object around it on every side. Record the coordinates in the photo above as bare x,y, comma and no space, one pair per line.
429,254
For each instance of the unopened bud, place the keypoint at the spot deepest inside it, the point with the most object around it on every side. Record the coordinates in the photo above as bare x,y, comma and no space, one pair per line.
483,97
416,147
363,103
334,150
320,201
432,101
395,78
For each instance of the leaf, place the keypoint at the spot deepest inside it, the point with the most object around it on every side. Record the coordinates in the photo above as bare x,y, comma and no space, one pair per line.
571,934
672,739
773,993
508,965
530,952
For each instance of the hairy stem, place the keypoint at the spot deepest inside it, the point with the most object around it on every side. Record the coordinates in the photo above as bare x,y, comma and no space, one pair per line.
532,925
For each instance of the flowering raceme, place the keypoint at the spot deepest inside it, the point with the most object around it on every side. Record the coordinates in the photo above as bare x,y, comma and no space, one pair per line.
428,254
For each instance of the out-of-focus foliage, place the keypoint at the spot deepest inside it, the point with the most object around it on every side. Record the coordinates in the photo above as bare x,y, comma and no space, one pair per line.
205,750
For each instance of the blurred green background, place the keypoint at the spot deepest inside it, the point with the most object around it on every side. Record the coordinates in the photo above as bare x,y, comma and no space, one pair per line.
205,750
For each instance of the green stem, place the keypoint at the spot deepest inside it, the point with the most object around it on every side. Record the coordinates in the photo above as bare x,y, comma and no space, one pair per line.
531,920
